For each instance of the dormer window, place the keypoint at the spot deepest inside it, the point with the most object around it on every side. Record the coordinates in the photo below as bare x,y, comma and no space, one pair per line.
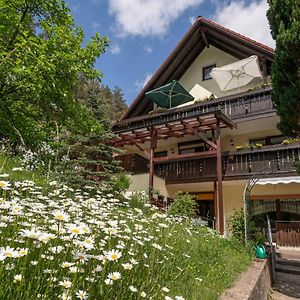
206,72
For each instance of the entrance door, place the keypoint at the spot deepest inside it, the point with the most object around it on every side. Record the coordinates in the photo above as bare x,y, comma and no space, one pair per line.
205,205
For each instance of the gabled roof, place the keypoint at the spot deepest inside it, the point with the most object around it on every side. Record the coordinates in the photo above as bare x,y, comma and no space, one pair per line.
201,34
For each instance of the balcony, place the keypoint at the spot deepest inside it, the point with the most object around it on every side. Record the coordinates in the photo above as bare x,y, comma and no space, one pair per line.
249,105
269,161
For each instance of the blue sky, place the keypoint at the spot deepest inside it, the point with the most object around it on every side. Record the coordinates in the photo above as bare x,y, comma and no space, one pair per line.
143,32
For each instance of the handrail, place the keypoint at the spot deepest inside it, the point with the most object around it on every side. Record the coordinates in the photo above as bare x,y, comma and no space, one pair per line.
238,105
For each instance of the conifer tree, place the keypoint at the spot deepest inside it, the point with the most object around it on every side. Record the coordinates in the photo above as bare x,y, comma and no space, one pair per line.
284,19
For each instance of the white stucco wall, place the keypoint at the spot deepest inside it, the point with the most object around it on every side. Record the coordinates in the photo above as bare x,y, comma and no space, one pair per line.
210,56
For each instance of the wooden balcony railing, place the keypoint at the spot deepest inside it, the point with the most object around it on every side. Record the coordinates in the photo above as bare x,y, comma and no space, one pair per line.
134,163
240,106
269,161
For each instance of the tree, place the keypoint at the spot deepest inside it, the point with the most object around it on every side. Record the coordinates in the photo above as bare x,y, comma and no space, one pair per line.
284,19
41,58
100,99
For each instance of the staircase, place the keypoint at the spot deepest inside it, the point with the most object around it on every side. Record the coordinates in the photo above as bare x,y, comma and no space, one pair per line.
287,281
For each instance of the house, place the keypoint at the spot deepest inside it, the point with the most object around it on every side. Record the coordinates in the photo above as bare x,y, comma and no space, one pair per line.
212,147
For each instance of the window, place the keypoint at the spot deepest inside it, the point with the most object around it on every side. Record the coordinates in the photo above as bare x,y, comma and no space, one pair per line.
206,72
269,140
192,147
160,154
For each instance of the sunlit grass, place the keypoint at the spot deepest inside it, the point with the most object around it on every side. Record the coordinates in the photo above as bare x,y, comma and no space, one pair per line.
66,244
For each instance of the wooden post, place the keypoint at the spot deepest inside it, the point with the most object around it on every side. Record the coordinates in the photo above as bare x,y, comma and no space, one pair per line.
220,209
278,210
153,145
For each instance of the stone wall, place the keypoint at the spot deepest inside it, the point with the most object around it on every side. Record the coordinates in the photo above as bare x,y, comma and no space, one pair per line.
253,284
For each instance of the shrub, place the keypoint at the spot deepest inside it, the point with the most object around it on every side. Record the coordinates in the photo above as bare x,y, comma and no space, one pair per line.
236,225
184,205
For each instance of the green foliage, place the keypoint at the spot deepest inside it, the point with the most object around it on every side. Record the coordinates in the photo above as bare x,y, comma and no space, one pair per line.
121,183
236,226
87,160
184,205
102,102
284,19
41,58
139,199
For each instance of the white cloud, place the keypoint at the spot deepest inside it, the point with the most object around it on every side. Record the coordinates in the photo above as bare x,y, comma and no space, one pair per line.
139,84
192,20
115,49
148,49
95,25
147,17
246,18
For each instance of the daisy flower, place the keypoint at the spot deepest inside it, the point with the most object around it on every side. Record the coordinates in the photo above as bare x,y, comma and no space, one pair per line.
113,255
127,266
133,289
60,215
114,276
82,295
66,284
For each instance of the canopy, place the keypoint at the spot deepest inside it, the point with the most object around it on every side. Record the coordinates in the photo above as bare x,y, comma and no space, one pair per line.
237,74
277,180
170,95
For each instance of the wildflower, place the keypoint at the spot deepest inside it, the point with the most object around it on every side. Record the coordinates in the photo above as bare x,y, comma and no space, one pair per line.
66,296
18,278
73,269
17,169
82,295
23,252
32,233
66,284
179,298
75,230
4,185
108,281
127,266
165,289
67,264
60,215
133,289
168,298
98,269
157,246
9,252
143,294
114,276
113,255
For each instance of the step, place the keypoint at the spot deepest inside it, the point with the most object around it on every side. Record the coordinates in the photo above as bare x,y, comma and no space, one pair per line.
287,269
288,262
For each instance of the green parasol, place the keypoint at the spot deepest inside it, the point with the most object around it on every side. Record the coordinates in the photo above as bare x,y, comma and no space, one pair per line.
170,95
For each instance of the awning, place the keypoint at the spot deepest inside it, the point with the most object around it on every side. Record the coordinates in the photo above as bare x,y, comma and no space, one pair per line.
278,180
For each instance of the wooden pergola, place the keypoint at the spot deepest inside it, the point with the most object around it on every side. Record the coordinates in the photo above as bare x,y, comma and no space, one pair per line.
136,133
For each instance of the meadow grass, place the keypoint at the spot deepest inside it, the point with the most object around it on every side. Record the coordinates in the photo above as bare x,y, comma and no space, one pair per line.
70,244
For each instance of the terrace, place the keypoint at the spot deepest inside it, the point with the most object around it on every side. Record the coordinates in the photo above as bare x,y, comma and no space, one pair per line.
270,161
242,106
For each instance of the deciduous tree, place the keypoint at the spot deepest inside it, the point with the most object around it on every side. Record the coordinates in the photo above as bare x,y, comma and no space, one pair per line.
41,58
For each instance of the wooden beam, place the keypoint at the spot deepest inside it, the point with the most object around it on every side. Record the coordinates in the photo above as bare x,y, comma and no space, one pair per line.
220,209
204,37
185,156
275,196
142,149
153,145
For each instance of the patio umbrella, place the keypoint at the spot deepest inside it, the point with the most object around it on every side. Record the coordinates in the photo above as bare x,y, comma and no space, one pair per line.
237,74
170,95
